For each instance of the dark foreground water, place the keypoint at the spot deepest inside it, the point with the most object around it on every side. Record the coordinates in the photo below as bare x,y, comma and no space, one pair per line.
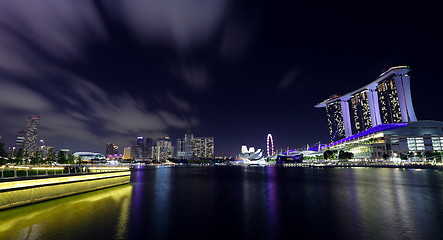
244,203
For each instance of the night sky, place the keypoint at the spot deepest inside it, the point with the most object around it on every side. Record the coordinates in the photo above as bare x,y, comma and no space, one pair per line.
111,70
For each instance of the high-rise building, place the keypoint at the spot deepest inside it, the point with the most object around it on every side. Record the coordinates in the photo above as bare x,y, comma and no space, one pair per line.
32,134
390,111
163,149
20,140
136,153
335,121
385,100
111,149
360,113
140,151
148,148
181,152
192,147
127,153
189,144
203,147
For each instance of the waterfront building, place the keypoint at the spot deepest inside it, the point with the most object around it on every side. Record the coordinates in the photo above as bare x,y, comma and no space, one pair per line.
32,134
203,147
386,100
411,140
140,146
378,121
192,147
250,153
136,152
163,149
20,141
181,152
148,148
336,124
111,149
89,156
127,153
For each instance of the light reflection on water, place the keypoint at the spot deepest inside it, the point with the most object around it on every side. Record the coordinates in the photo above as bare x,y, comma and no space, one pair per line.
244,203
98,214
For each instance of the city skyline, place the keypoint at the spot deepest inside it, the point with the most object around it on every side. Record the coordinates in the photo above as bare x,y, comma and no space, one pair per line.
233,70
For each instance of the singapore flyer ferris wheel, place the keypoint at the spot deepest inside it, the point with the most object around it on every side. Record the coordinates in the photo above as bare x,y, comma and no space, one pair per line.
270,145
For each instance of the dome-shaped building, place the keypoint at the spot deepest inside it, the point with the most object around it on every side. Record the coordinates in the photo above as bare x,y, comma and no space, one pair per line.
90,157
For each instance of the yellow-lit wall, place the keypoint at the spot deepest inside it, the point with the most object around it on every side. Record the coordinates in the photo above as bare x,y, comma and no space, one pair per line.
21,192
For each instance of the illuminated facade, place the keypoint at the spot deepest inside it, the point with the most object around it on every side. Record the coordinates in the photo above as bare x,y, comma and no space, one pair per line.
388,100
163,149
192,147
203,147
250,154
89,156
31,134
140,148
148,148
360,114
412,140
127,153
335,121
384,101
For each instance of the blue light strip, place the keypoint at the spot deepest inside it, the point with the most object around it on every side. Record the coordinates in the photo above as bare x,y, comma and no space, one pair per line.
379,128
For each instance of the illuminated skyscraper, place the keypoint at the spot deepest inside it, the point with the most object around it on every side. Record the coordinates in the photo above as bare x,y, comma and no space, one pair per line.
140,147
189,144
203,147
181,153
335,121
163,149
127,153
390,111
360,113
192,147
148,148
385,100
32,134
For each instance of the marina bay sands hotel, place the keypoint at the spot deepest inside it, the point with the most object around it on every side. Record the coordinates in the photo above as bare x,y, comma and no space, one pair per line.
378,119
383,101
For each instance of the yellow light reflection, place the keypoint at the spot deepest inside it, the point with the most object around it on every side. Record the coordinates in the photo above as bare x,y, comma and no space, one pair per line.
66,215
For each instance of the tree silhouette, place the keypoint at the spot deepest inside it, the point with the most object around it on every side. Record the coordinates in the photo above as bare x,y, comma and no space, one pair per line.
328,154
61,158
51,155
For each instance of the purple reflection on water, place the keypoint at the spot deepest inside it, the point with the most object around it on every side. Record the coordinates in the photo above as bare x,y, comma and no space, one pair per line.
137,192
272,198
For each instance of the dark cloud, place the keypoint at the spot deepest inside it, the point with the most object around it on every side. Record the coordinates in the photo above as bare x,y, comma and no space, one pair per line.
38,41
196,76
184,23
89,115
109,70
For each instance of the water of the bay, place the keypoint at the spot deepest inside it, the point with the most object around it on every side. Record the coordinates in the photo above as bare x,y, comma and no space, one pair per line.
244,203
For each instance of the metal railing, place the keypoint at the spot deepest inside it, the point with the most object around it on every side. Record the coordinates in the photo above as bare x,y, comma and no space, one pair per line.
8,172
